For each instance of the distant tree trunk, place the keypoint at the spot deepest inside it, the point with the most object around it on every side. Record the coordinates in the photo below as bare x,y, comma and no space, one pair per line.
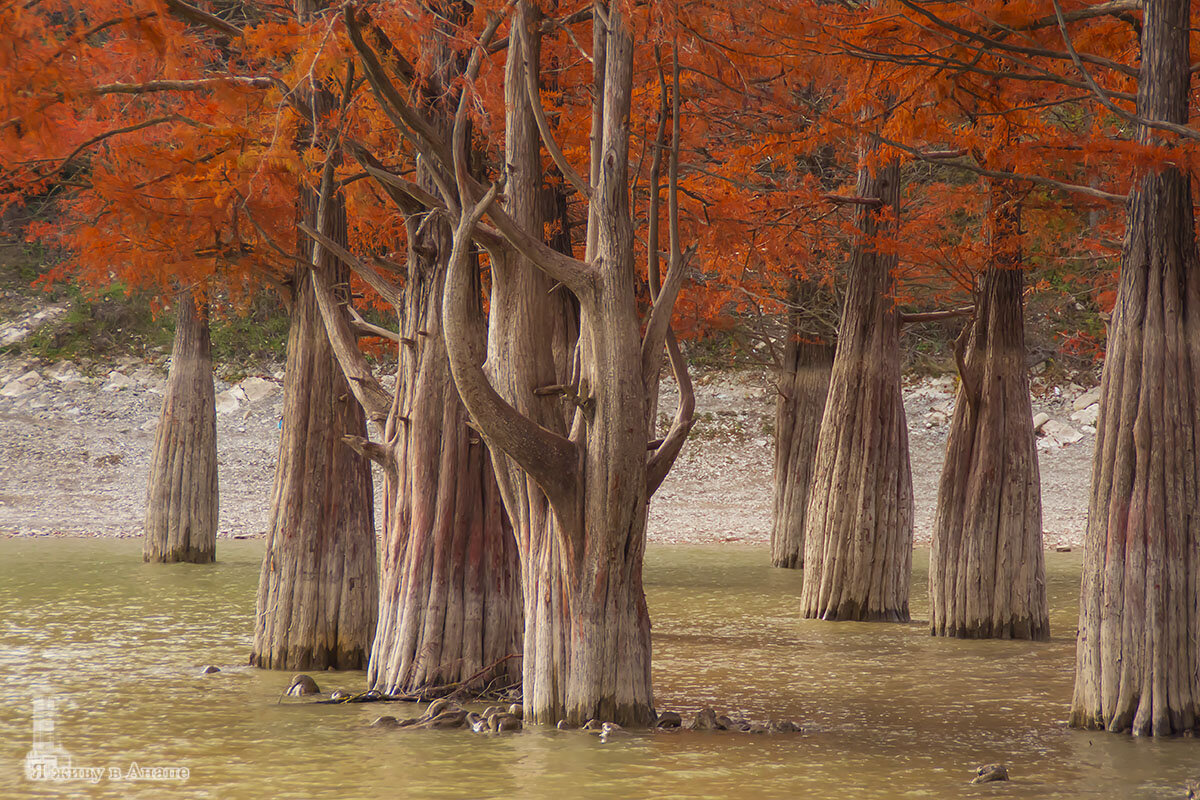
1138,649
986,572
803,384
858,532
318,591
181,499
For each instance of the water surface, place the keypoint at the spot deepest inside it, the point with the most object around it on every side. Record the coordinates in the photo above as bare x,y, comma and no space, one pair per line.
887,711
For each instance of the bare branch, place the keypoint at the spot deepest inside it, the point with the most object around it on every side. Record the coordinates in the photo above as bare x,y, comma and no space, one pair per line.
936,316
873,202
550,458
378,453
195,15
386,289
199,84
375,400
663,458
1182,130
664,300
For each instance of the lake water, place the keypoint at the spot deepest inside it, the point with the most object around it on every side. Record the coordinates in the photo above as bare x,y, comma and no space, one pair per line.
887,711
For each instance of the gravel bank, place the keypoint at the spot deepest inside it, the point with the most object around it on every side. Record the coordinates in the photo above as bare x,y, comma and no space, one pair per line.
77,449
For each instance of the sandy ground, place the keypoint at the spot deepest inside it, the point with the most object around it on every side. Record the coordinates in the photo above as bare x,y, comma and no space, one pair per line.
76,451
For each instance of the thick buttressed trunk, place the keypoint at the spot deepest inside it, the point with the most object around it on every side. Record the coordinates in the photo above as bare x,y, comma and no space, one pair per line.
450,592
577,494
318,589
181,499
531,334
986,572
802,386
858,531
1138,649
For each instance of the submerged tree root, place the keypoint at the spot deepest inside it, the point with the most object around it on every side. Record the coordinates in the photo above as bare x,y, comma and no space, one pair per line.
465,691
445,714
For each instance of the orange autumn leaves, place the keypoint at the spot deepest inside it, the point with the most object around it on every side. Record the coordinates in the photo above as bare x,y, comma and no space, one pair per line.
775,98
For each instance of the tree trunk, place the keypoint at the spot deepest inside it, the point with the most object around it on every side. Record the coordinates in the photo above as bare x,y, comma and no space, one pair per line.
181,499
450,600
318,589
1138,649
530,339
587,643
986,572
803,385
858,545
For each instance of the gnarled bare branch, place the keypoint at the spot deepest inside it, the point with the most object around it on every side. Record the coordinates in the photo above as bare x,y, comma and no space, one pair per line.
551,459
663,458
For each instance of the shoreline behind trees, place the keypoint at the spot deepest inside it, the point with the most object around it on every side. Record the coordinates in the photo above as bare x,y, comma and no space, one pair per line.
77,450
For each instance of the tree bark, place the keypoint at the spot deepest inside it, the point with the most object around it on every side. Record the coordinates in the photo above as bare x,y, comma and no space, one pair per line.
530,344
587,644
858,546
318,588
181,498
450,603
803,384
986,572
1138,648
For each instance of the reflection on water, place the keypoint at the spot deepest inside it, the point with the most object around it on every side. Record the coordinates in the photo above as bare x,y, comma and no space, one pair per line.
888,711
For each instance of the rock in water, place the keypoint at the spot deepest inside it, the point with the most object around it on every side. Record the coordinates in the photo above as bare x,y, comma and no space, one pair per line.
339,694
669,719
447,720
499,723
209,670
706,720
302,685
385,722
990,772
440,705
517,711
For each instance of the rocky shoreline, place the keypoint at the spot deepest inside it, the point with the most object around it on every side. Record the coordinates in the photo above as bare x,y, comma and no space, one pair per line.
77,448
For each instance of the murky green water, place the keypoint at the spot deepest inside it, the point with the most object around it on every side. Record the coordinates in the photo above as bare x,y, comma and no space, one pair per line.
888,711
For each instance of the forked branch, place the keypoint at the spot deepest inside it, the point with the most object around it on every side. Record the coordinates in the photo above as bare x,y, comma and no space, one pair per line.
551,459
